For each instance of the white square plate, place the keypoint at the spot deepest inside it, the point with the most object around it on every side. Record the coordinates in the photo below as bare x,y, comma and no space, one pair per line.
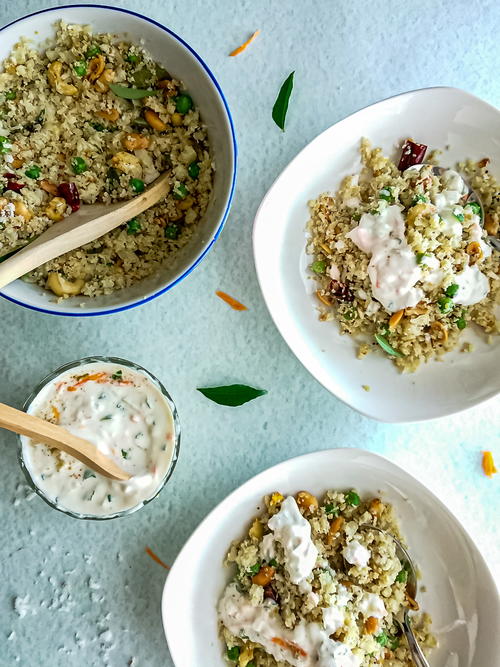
438,117
461,595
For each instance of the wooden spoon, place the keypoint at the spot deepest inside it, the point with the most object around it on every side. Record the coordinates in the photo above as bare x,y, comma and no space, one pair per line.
87,224
56,436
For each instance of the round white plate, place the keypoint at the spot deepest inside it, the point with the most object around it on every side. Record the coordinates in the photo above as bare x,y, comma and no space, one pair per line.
438,117
461,594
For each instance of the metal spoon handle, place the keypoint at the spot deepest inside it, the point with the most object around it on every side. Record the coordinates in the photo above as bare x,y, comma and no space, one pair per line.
416,652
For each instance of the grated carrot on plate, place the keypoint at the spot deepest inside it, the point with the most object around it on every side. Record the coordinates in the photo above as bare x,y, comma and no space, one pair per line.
236,305
291,646
241,48
156,559
488,464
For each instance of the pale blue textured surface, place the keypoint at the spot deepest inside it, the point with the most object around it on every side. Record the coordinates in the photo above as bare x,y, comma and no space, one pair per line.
84,579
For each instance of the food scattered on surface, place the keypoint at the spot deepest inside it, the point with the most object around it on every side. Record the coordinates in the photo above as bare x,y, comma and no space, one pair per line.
241,48
315,587
401,257
95,119
232,394
488,464
236,305
125,415
158,560
280,107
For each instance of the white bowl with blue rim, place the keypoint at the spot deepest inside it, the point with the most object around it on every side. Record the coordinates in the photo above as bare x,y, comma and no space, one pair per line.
186,65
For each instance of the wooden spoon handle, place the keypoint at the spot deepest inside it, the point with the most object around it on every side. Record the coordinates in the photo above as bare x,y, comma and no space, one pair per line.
56,436
84,226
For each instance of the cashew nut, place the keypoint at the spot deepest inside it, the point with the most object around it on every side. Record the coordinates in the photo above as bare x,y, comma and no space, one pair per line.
56,209
127,163
62,287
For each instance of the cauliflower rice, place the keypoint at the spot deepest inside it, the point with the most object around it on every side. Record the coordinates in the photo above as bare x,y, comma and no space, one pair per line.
414,299
60,123
313,588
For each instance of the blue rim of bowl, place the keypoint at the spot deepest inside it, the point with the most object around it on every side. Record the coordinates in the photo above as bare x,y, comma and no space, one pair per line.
233,183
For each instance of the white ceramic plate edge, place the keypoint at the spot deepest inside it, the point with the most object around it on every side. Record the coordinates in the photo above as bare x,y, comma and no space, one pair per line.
280,472
303,354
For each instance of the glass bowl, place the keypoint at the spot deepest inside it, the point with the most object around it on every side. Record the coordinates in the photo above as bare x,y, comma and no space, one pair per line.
121,362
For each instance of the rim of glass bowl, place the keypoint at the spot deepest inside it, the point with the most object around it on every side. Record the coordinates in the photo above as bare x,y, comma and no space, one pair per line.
121,362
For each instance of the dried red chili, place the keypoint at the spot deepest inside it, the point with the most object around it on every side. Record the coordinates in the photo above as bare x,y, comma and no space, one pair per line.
270,593
341,291
411,154
70,193
13,185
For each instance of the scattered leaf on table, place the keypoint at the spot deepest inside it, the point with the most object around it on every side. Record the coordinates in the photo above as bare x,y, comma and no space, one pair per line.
131,93
488,464
281,105
386,346
156,559
241,48
232,394
236,305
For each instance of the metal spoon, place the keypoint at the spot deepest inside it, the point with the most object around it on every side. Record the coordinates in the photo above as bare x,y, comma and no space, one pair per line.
470,196
404,626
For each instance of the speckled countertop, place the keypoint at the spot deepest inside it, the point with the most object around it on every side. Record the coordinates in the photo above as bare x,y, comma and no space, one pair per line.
82,593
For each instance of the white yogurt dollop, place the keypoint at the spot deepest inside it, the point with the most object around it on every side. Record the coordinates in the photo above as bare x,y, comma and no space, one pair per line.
393,269
293,532
125,415
473,286
372,605
307,645
356,554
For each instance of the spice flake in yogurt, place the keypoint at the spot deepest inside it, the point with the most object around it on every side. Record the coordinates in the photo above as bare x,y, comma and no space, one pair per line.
123,413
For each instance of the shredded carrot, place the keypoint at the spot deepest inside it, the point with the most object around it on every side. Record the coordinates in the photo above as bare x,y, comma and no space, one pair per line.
96,377
55,412
156,559
291,646
489,464
241,48
236,305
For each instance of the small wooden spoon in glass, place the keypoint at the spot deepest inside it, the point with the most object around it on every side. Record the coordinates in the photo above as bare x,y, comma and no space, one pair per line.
56,436
86,225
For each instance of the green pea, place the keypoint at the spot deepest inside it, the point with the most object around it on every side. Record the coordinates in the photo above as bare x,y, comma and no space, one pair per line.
352,498
273,563
451,290
382,639
133,226
183,103
33,172
255,568
137,185
476,208
386,194
5,145
80,68
459,216
419,199
332,510
171,232
319,266
194,170
78,165
251,663
133,58
402,576
233,653
11,95
393,643
92,51
461,323
445,304
180,191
